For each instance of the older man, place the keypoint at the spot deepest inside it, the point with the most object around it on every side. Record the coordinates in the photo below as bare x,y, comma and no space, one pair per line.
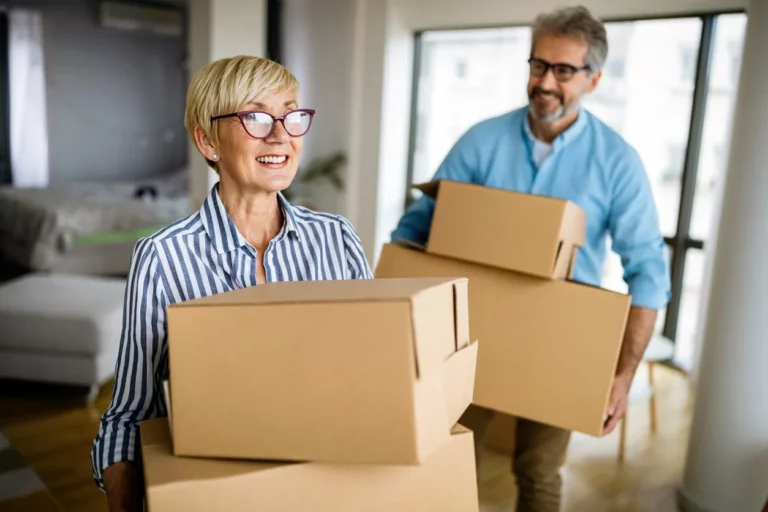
553,147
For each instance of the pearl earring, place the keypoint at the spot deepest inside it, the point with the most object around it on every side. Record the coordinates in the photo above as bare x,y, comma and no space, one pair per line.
215,156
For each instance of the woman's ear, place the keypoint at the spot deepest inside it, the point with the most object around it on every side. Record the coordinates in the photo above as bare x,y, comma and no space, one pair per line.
204,144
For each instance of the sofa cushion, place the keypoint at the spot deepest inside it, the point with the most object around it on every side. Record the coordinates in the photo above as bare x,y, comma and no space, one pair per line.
62,313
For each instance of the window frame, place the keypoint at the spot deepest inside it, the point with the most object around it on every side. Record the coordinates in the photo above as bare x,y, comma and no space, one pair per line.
6,175
682,241
275,33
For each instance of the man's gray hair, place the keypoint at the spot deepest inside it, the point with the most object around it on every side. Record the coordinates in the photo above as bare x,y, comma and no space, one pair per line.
576,22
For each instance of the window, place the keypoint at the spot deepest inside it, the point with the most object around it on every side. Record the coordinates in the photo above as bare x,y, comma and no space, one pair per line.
461,68
687,64
726,64
450,102
652,100
673,171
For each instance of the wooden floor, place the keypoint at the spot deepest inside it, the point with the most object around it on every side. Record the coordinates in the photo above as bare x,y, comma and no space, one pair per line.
52,428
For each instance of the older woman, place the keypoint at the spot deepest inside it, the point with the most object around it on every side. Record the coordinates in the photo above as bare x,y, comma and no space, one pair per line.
244,117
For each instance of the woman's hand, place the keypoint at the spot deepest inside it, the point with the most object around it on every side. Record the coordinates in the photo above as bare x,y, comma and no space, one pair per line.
125,492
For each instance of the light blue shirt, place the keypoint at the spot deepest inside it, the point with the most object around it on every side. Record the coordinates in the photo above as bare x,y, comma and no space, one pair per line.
203,255
591,165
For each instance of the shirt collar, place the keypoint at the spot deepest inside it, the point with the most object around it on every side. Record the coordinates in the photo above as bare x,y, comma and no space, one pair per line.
222,231
564,138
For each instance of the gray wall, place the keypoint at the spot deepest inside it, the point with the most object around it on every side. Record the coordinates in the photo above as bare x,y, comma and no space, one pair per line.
115,99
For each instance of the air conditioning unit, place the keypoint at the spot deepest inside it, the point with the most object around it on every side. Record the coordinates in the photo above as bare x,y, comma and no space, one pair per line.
142,17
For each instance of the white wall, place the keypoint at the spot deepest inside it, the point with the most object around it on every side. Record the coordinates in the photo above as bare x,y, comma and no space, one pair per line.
318,51
115,99
432,14
727,462
381,77
218,29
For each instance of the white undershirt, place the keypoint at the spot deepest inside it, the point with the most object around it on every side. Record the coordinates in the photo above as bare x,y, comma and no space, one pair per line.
541,150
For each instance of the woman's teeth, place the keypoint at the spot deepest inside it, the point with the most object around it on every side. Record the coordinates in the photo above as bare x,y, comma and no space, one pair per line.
271,159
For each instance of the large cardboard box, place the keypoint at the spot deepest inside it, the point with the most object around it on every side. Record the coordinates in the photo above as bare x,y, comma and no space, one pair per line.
445,481
549,347
363,371
522,232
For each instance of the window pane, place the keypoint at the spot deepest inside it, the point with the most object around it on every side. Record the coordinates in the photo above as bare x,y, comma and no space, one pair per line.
726,61
466,76
646,95
690,300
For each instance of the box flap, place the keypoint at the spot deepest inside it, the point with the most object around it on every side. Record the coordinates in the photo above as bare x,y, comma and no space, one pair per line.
563,260
461,313
459,381
459,430
574,227
435,320
572,263
293,292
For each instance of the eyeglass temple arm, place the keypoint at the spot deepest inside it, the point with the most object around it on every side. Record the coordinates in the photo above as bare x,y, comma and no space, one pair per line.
213,118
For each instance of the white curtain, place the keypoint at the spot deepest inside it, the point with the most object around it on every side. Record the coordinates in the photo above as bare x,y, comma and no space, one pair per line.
29,126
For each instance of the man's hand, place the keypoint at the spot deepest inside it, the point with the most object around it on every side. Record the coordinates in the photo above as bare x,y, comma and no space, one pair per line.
636,337
617,405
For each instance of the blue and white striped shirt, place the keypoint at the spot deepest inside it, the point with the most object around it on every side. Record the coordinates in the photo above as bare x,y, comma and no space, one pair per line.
202,255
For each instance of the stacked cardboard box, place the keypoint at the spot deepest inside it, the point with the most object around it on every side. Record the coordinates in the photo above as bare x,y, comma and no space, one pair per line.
549,345
332,395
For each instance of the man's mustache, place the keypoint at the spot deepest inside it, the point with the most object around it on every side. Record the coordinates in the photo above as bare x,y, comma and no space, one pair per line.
538,90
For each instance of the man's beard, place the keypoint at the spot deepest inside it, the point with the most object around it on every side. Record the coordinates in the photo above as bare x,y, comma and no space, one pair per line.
559,113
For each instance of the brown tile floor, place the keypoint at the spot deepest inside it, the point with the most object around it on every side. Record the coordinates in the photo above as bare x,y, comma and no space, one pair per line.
52,428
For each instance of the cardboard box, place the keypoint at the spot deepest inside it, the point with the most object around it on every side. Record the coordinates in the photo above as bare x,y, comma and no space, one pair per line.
363,371
445,482
549,347
501,434
510,230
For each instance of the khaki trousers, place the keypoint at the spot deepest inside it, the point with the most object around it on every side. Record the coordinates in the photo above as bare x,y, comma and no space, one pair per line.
539,454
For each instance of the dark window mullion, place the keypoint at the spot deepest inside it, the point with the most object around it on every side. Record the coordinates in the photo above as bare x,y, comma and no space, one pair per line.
275,30
681,241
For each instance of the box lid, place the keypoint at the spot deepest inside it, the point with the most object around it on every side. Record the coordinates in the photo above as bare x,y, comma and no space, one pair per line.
302,292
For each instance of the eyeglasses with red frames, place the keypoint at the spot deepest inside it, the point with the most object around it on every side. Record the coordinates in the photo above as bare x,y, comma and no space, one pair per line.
260,125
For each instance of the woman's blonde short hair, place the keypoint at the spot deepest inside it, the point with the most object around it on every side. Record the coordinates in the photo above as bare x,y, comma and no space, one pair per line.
226,85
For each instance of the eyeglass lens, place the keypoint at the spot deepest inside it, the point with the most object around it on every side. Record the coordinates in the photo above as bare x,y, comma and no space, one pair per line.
259,124
562,72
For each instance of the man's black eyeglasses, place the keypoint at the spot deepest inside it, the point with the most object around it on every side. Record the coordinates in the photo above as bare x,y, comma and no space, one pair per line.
563,72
